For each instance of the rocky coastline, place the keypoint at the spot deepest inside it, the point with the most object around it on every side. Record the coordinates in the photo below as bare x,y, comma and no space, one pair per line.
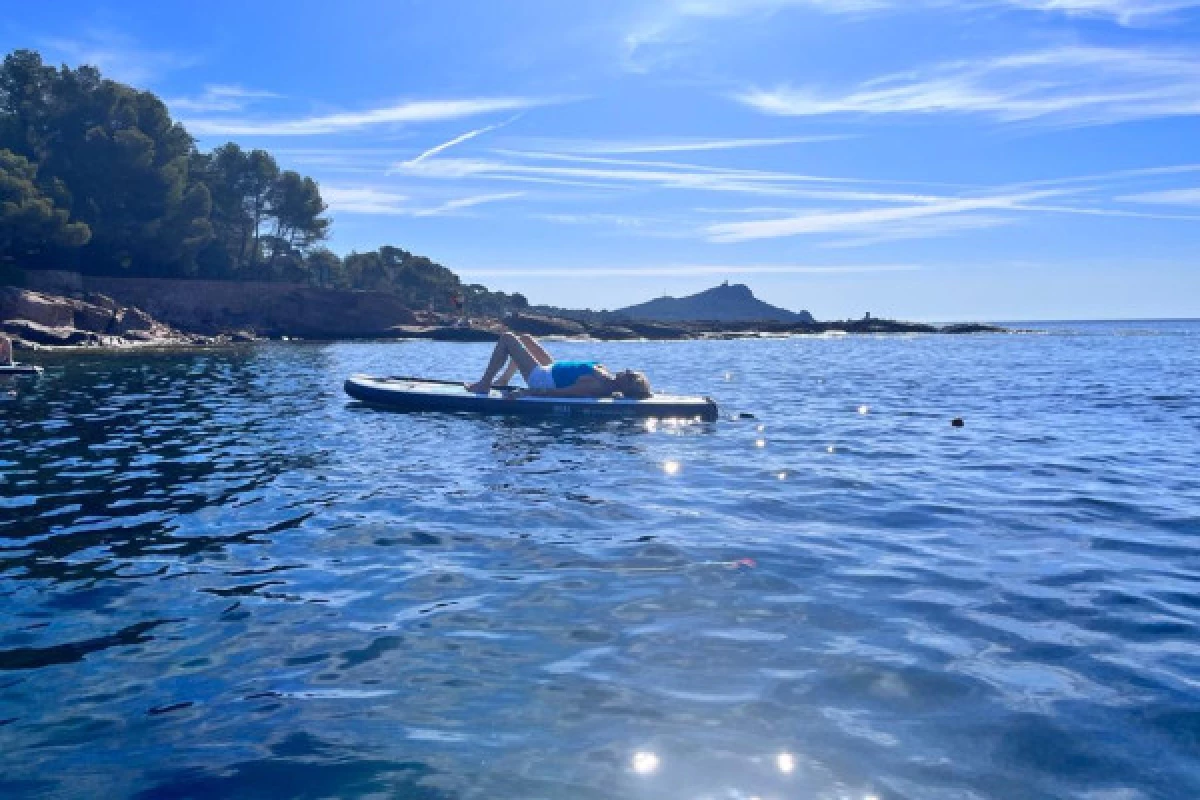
68,310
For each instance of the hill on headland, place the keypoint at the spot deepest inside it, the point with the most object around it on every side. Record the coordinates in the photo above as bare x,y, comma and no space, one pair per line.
724,303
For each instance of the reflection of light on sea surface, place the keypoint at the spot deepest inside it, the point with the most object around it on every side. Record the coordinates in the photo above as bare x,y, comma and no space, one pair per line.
782,475
863,409
670,424
786,763
760,443
830,449
644,762
670,467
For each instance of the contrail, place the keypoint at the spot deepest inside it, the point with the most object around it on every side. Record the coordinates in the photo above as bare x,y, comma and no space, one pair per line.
433,151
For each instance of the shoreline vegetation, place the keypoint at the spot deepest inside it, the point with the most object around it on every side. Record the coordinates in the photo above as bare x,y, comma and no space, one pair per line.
116,230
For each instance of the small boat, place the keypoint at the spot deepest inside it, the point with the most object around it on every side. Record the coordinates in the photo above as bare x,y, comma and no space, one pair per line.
20,369
420,394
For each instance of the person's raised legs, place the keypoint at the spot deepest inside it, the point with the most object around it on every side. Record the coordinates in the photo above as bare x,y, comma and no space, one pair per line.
508,346
536,350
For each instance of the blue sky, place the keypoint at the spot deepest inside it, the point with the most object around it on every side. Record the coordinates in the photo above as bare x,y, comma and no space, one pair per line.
923,159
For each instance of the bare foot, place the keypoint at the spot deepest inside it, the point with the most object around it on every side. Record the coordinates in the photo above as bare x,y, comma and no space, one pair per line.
479,387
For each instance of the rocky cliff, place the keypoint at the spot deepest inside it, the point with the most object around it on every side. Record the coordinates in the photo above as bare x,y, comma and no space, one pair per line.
266,309
35,318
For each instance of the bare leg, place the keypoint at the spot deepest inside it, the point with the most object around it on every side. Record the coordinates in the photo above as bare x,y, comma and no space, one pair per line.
507,347
536,350
506,377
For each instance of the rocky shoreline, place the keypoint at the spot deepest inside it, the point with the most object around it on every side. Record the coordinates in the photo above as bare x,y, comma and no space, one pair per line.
38,319
539,325
34,320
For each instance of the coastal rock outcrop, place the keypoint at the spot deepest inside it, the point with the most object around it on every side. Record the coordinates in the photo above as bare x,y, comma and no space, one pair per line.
36,318
539,325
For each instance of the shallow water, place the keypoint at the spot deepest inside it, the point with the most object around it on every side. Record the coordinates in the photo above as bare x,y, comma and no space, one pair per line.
222,579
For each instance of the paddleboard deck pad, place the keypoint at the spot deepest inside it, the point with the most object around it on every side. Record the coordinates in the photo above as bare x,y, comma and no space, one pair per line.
20,369
418,394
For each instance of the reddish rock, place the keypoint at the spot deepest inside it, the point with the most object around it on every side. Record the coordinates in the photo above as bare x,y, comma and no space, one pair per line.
43,309
45,334
88,317
134,319
102,300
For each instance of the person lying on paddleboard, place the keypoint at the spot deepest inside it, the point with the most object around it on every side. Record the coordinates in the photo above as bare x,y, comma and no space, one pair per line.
548,377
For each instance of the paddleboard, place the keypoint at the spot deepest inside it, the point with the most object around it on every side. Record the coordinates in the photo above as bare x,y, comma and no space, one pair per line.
20,369
418,394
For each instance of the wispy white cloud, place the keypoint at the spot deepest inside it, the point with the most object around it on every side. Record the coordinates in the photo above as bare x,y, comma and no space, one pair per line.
220,99
1115,177
594,218
593,171
461,203
370,200
1068,86
617,177
364,200
735,8
1109,212
1168,197
929,219
1127,12
117,55
669,13
923,228
661,29
352,121
860,221
601,147
648,43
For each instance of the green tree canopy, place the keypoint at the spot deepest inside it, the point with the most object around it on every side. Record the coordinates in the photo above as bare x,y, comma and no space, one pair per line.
96,174
32,226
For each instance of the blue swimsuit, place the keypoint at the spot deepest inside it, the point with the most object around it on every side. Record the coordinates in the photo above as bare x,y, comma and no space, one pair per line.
565,373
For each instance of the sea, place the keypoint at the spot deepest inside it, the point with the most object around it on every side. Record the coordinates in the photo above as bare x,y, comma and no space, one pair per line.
222,578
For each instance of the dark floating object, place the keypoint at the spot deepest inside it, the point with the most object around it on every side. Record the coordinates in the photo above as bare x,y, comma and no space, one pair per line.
957,422
168,709
744,415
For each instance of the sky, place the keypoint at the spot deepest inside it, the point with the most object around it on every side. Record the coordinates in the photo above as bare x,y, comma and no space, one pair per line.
918,159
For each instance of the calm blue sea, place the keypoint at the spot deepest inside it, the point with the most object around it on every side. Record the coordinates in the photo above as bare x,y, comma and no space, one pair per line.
219,578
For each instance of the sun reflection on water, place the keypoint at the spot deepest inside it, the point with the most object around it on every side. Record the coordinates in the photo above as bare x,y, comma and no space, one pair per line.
645,762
